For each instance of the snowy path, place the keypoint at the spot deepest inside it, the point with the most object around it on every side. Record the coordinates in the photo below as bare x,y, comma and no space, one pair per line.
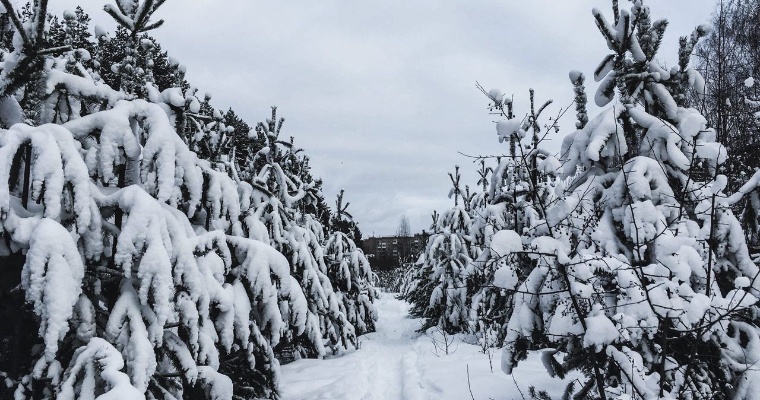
398,363
389,359
386,366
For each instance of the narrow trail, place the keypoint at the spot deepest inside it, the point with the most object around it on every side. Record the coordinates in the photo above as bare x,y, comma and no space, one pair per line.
385,367
397,363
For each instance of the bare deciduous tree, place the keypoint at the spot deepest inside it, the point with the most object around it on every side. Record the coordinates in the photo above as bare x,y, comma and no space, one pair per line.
726,58
403,227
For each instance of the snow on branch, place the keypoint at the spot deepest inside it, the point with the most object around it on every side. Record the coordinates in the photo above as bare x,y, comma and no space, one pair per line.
98,364
155,155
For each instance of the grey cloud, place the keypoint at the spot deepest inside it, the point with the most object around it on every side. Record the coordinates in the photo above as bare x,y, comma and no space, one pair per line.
381,94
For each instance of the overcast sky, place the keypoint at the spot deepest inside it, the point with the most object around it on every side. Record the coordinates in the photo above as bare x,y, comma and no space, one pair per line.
381,93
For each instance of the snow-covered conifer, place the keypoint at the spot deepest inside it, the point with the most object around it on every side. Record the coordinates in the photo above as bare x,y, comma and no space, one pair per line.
641,271
442,284
151,269
520,189
277,216
352,278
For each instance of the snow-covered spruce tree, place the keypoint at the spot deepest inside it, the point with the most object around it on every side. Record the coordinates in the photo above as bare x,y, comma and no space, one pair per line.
27,49
342,221
72,30
415,286
642,274
274,217
120,52
515,198
241,141
124,270
126,247
135,68
522,184
440,288
351,276
134,62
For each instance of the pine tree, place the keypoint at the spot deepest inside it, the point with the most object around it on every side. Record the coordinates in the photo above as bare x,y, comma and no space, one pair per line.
141,266
135,68
440,287
342,221
351,275
275,217
519,190
74,31
641,273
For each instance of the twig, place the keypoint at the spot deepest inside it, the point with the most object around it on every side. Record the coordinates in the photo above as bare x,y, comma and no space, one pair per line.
468,382
517,386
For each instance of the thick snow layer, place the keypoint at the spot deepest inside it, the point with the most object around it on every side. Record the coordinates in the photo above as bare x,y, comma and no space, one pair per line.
505,242
101,365
742,282
506,129
550,166
218,386
600,331
396,362
505,278
496,95
53,269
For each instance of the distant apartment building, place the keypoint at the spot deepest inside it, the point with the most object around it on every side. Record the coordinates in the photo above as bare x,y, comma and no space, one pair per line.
391,251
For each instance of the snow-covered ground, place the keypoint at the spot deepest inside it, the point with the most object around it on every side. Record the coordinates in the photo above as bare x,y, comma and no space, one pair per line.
396,362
